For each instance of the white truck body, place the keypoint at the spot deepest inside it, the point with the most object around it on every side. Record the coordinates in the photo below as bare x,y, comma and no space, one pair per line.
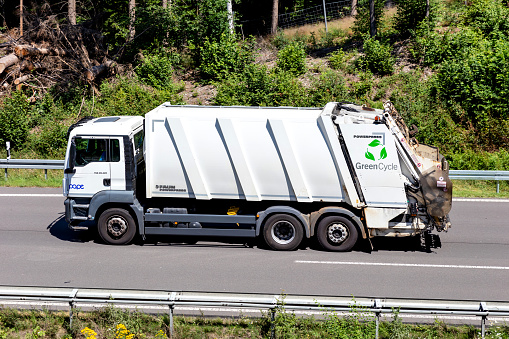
308,163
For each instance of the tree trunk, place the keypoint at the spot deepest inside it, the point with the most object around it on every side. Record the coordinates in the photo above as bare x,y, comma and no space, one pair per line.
354,8
7,61
275,12
94,71
230,15
372,22
71,12
132,18
20,17
427,8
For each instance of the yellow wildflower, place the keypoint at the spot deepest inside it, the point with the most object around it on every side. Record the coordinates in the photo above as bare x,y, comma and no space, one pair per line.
89,333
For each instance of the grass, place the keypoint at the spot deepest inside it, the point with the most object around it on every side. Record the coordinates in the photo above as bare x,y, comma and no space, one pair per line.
112,322
31,178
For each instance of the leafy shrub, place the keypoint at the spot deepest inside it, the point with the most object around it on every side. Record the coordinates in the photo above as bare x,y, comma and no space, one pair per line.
292,58
479,160
377,57
125,96
156,71
14,119
49,141
219,58
411,13
257,86
337,59
362,21
491,17
329,86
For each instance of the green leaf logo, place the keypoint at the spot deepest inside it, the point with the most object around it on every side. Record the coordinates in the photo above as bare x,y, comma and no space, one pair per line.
374,143
369,156
383,154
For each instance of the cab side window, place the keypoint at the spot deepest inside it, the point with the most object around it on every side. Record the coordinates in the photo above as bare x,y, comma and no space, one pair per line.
96,150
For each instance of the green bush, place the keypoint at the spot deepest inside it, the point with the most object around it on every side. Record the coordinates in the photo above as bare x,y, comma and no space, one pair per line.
377,57
227,55
329,86
411,13
14,120
50,141
362,23
337,59
491,17
479,160
156,71
124,96
257,86
292,58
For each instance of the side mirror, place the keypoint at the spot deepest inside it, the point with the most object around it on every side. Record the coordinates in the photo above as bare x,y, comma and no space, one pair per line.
72,159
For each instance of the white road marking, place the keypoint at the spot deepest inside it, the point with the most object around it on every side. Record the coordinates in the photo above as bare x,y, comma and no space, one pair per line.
479,200
399,264
43,195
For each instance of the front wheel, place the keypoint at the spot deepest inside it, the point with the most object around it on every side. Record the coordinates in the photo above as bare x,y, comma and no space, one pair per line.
337,233
116,226
283,232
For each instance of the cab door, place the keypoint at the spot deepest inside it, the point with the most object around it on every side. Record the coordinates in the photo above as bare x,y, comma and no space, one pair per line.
92,167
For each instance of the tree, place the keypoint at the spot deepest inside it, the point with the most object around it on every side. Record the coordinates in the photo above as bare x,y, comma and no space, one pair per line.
354,8
132,19
71,12
275,10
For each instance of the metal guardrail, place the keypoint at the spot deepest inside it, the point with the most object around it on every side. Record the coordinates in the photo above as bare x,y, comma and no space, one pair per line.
32,164
480,175
59,165
75,296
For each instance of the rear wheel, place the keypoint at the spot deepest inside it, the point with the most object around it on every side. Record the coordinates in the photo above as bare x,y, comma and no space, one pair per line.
116,226
283,232
336,233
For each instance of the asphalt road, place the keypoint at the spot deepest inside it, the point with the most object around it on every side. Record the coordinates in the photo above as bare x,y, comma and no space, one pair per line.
37,249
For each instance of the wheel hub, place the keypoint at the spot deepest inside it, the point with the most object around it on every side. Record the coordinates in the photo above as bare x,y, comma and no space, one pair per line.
283,232
117,226
337,233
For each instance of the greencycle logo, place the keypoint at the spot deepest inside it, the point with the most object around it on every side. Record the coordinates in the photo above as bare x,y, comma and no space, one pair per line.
375,152
378,148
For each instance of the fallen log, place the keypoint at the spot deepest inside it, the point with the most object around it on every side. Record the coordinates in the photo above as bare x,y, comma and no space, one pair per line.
21,79
94,71
7,61
26,50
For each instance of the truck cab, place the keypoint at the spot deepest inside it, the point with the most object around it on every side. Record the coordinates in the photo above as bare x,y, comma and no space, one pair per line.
100,163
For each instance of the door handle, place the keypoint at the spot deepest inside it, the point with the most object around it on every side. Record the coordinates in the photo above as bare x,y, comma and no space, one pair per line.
107,182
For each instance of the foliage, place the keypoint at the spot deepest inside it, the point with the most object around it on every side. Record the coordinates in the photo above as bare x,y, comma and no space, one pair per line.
362,20
377,57
337,59
125,96
357,324
227,55
156,70
14,120
292,59
411,13
257,86
490,17
329,86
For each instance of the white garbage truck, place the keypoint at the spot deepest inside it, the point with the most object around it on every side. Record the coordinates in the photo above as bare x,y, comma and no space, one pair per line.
339,174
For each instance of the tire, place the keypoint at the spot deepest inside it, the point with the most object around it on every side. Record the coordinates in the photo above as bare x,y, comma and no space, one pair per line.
336,233
283,232
116,226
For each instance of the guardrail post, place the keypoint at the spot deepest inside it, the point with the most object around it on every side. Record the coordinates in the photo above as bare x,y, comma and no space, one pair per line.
5,173
483,308
498,186
272,323
71,304
171,320
46,173
377,307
